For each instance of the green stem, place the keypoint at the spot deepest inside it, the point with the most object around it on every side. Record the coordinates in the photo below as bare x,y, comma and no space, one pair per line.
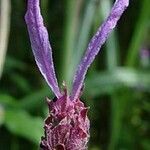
85,30
118,104
71,26
139,33
112,62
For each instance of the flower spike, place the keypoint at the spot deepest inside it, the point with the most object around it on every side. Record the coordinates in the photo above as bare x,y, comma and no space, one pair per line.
95,44
40,44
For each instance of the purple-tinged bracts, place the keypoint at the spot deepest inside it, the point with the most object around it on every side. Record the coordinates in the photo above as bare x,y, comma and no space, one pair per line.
67,126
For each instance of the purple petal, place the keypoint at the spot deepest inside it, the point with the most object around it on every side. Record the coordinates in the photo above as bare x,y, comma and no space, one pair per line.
40,44
95,44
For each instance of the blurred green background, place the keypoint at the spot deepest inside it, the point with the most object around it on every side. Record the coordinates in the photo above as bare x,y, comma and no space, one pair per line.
117,86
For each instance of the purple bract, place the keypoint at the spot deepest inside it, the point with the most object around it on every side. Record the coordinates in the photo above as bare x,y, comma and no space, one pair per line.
40,44
67,126
95,44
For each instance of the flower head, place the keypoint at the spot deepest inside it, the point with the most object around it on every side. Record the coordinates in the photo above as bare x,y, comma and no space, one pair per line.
67,126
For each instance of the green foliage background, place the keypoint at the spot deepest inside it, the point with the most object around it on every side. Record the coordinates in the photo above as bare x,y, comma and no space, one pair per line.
117,87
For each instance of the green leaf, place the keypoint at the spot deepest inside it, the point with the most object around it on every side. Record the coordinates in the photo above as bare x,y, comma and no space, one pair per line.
13,63
8,101
22,124
21,82
146,144
109,81
35,99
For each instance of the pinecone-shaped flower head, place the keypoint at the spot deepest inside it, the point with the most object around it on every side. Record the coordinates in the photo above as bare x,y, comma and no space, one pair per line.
67,126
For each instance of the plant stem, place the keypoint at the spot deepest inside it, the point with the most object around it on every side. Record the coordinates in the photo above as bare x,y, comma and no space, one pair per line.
4,30
85,31
118,104
112,62
140,31
71,26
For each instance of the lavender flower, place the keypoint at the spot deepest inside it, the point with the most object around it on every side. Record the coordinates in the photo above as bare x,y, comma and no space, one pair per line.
67,126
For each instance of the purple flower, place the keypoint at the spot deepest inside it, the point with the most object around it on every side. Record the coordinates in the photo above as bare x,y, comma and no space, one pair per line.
67,126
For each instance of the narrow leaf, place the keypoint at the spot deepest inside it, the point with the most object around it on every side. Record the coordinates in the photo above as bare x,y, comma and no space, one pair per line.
21,123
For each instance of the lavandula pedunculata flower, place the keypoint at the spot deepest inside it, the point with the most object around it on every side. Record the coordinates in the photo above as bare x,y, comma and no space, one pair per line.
67,126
